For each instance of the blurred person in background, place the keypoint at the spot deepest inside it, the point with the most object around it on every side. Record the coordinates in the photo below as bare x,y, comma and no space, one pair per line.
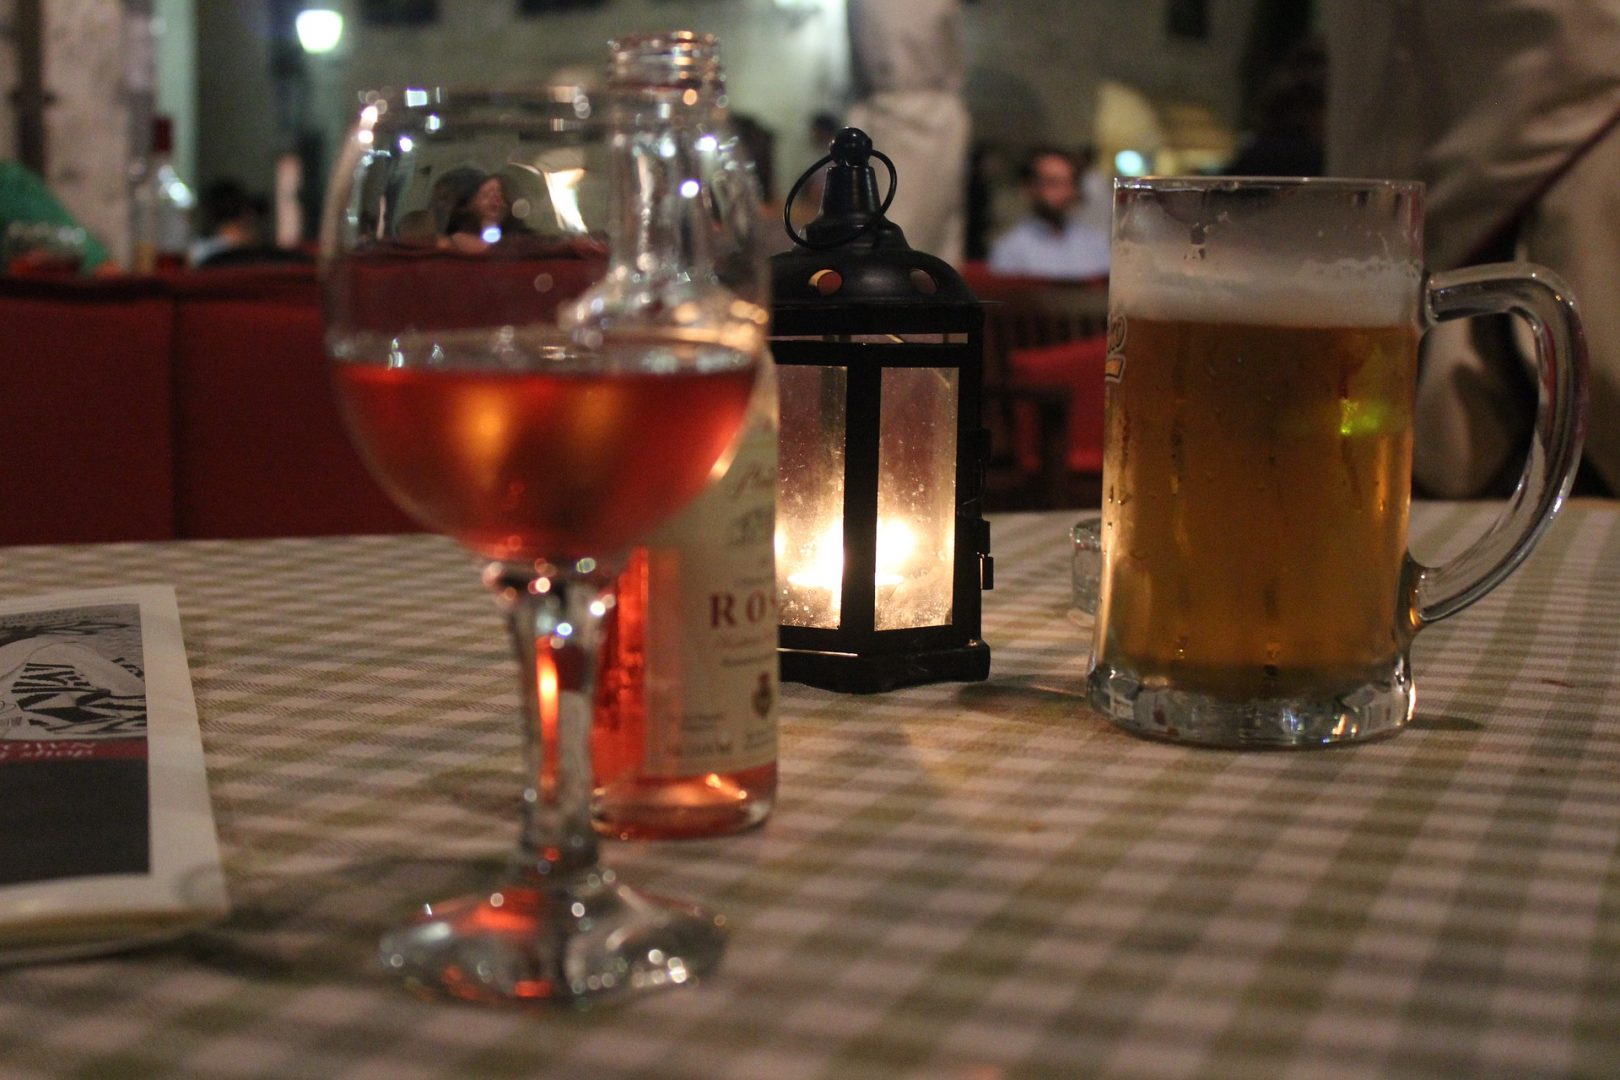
231,220
823,129
983,171
1509,110
908,73
483,216
1290,115
760,143
1051,241
480,217
429,227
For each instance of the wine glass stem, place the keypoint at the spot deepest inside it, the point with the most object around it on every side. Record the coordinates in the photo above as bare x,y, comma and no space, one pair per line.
555,622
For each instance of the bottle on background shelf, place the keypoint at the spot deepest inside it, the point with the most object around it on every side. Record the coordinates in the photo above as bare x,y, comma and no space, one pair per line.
161,206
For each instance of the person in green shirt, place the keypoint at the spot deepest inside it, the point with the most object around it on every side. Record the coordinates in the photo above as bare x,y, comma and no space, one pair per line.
25,199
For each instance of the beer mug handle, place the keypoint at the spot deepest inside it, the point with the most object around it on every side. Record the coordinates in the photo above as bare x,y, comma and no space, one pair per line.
1537,296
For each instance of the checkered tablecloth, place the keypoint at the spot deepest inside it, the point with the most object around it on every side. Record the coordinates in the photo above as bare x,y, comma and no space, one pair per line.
960,881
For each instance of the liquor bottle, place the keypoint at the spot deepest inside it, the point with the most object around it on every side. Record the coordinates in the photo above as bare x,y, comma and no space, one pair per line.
684,743
161,205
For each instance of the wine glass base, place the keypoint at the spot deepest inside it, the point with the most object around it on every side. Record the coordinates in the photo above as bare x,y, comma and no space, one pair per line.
571,942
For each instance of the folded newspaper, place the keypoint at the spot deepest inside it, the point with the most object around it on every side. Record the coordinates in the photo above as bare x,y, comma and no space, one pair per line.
106,833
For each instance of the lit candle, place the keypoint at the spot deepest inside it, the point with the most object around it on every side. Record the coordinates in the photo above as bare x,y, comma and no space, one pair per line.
822,568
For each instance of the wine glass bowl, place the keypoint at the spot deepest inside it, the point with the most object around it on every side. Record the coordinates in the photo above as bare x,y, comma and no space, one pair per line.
525,369
548,449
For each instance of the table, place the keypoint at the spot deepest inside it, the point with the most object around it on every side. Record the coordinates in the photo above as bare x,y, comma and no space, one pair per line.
968,881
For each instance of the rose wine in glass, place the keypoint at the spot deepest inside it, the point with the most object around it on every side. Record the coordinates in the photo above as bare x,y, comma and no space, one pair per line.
546,449
502,401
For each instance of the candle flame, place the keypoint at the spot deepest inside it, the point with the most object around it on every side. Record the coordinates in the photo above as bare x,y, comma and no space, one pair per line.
824,568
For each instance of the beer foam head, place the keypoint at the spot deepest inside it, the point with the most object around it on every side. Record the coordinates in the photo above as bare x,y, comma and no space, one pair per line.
1266,290
1334,253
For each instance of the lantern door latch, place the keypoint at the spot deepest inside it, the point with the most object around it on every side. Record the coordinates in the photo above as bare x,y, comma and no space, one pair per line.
987,564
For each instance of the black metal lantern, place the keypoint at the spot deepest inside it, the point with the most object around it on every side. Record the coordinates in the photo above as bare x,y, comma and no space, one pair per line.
882,548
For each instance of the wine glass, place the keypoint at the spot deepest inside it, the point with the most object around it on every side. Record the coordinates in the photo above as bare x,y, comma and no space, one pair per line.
535,356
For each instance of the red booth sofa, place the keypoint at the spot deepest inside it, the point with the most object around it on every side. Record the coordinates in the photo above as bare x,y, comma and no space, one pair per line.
186,407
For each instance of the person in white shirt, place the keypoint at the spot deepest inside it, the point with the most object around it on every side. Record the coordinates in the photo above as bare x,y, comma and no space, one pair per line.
1051,241
230,219
907,67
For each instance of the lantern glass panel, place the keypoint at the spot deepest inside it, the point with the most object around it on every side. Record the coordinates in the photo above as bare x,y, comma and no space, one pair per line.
810,514
916,513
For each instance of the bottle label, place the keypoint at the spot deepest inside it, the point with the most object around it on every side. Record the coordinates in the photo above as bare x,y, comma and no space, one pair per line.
711,664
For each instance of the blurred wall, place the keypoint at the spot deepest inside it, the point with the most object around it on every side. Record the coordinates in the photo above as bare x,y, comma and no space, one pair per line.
8,83
236,109
98,69
781,66
104,64
175,30
1035,66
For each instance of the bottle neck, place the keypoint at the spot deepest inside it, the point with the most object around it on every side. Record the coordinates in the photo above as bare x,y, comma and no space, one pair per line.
656,232
680,64
667,93
683,252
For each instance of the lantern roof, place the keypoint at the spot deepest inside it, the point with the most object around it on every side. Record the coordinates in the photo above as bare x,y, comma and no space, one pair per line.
851,253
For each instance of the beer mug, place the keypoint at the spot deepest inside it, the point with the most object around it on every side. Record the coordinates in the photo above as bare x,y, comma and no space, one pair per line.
1256,588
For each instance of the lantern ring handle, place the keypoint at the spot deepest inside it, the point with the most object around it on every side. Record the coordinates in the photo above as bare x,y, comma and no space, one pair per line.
798,185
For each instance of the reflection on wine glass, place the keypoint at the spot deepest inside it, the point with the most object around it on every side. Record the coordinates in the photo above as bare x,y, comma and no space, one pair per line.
513,398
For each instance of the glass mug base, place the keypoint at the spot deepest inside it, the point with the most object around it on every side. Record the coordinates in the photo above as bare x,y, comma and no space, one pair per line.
1373,710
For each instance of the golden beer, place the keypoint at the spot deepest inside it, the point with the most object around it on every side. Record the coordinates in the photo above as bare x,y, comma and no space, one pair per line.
1256,488
1263,333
